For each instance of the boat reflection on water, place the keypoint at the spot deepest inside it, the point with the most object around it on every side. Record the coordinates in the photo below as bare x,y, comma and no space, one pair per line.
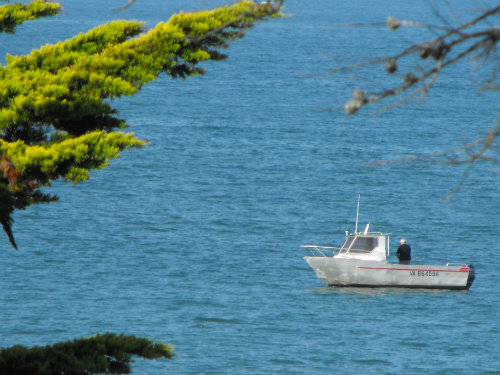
379,291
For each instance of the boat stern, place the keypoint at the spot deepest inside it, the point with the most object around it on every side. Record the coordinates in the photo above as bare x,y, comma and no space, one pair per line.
472,275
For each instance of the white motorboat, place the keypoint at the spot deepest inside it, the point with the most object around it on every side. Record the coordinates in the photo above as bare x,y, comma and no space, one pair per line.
362,262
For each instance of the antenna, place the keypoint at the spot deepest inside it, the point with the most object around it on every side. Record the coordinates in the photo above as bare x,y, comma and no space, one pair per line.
357,214
367,228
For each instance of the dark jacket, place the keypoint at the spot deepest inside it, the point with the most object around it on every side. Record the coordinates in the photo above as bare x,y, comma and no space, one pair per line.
404,252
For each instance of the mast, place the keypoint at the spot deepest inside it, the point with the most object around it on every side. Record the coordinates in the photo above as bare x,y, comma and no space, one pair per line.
357,215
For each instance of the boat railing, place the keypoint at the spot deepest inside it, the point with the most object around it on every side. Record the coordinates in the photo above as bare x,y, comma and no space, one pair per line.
457,265
325,251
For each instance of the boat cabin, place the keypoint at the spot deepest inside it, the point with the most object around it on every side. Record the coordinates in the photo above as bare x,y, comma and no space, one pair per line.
364,246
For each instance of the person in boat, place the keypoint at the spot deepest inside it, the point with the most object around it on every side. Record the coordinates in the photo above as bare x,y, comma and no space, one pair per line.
404,252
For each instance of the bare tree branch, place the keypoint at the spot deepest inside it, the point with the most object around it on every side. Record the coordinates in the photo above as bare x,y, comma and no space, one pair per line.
126,6
450,45
474,151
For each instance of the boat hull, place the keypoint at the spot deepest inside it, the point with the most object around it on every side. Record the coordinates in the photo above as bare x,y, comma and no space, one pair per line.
361,273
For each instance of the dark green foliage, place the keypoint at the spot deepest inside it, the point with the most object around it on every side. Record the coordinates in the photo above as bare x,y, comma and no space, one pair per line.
6,210
106,353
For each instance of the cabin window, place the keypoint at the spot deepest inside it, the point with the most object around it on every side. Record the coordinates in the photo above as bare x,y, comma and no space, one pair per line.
360,245
364,244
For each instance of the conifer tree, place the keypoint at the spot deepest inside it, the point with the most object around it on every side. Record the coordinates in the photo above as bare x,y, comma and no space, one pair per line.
107,353
56,120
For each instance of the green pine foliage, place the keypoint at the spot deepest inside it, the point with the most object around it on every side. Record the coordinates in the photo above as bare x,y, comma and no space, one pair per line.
56,117
15,14
104,353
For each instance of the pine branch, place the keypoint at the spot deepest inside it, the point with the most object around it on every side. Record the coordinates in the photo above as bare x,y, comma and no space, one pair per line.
102,353
13,15
56,118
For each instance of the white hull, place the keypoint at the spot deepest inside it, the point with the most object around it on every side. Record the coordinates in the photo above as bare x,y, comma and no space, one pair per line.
368,273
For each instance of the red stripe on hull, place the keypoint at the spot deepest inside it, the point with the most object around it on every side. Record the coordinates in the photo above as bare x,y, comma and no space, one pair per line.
463,269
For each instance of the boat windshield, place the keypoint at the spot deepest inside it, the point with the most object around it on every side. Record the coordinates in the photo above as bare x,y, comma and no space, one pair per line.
359,244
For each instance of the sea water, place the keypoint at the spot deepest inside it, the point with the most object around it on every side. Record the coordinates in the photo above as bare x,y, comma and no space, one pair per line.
195,239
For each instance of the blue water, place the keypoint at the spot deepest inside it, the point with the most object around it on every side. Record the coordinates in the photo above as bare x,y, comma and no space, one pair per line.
195,239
